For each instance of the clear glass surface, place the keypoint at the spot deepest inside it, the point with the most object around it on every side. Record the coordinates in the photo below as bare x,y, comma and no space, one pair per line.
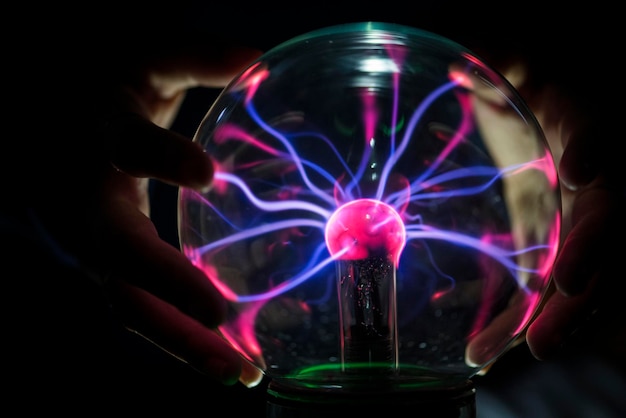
385,210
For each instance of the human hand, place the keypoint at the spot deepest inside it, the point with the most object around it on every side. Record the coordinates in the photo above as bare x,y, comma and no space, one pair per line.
592,203
103,211
591,250
592,214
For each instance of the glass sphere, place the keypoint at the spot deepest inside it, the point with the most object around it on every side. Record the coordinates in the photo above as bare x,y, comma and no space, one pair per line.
384,211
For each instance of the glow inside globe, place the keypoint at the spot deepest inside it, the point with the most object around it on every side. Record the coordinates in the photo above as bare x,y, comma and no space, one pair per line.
384,211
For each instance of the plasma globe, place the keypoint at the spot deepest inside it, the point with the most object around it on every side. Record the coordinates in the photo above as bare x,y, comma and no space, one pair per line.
387,164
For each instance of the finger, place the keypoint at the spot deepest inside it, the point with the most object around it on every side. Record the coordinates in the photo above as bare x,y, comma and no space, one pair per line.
578,165
489,365
559,318
142,149
250,376
586,246
495,339
176,333
136,254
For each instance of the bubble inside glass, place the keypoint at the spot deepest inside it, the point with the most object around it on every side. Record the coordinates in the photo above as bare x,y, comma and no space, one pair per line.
384,209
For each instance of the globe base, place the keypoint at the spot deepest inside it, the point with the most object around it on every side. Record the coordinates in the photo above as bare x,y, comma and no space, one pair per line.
285,401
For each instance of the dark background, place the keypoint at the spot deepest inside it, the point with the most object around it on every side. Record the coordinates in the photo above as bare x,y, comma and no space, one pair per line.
64,349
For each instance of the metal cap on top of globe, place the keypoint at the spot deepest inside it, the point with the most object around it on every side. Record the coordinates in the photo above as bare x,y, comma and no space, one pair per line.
384,213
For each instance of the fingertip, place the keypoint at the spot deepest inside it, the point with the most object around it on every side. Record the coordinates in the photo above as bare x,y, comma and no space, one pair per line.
577,167
575,176
230,372
173,158
564,279
541,344
576,263
552,330
200,171
224,371
250,376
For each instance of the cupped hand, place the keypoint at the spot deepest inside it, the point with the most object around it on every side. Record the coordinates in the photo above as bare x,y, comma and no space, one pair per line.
586,274
592,206
585,271
104,215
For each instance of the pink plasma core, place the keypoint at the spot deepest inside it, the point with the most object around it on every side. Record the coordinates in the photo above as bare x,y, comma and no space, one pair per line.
365,227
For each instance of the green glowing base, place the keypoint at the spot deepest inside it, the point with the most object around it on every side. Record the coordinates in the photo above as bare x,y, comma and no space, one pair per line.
368,377
327,392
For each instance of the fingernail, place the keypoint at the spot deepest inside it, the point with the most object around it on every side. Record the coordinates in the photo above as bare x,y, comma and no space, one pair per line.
224,372
580,177
250,376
